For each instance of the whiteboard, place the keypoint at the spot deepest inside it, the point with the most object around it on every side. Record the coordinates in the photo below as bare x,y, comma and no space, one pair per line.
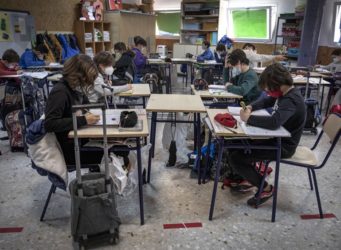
20,29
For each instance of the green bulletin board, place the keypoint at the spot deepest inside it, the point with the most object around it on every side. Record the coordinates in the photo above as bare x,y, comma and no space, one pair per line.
169,22
250,23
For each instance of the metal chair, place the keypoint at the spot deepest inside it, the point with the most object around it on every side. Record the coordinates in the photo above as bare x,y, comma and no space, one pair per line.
305,157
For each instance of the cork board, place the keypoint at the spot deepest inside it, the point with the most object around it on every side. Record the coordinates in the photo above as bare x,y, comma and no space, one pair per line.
49,15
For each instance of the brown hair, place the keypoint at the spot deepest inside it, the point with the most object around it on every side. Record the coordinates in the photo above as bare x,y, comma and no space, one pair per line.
80,71
236,56
104,58
10,56
275,76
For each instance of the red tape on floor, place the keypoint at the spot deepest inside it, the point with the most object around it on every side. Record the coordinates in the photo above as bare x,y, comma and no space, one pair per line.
4,230
182,225
316,216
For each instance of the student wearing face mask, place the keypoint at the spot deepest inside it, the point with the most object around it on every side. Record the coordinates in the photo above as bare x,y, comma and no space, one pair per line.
220,53
9,65
124,61
34,57
289,112
244,79
255,58
335,65
104,62
207,54
140,59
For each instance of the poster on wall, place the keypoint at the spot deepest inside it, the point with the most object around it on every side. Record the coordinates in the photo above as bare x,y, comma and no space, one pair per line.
5,28
114,4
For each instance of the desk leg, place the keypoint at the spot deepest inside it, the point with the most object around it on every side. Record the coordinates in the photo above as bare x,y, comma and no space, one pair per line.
152,141
199,148
276,184
322,99
139,170
216,179
208,151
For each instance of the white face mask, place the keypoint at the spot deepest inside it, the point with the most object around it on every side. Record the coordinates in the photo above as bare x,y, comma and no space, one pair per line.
235,71
11,66
41,57
144,50
109,71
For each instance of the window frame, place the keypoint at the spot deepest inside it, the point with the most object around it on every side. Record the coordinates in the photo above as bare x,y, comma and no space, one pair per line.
269,23
336,5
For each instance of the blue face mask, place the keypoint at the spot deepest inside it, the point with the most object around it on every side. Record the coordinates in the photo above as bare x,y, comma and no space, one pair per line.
235,71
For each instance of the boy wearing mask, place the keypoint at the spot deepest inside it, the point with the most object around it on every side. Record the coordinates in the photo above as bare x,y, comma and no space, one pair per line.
9,65
207,54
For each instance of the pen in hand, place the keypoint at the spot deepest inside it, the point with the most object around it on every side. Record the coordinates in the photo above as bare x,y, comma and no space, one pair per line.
242,104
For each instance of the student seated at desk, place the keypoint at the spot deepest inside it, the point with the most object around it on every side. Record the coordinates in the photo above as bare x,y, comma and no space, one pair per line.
104,62
335,65
124,62
255,58
79,74
34,57
9,64
220,53
289,112
207,54
244,79
140,59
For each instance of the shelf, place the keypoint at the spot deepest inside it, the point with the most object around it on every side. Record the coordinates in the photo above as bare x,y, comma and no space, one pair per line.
296,37
291,18
201,16
201,31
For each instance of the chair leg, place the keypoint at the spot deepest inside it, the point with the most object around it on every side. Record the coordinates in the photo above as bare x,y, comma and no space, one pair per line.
52,190
260,189
317,193
310,181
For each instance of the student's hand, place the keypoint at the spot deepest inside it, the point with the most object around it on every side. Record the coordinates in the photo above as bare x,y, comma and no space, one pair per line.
91,119
19,72
249,107
280,58
245,114
130,86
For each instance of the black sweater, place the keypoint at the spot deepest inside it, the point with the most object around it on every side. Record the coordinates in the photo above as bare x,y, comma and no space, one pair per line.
289,112
58,115
122,65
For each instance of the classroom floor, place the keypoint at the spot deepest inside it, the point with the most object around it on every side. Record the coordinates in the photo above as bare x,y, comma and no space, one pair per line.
174,197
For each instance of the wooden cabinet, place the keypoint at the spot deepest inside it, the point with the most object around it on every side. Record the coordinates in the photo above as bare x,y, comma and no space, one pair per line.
93,36
125,25
199,21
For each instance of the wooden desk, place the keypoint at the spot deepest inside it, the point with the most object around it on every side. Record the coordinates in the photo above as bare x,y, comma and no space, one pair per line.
207,94
113,132
175,103
224,139
97,132
138,90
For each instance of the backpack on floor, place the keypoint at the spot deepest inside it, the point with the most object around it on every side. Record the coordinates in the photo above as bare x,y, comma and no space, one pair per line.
14,130
11,99
313,118
153,80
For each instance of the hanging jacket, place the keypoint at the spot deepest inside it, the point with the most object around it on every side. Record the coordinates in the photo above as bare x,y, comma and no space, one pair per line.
58,48
68,51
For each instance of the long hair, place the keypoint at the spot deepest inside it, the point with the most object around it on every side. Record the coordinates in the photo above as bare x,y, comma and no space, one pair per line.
80,71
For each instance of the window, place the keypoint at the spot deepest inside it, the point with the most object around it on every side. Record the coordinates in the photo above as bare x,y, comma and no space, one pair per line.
254,23
337,23
168,23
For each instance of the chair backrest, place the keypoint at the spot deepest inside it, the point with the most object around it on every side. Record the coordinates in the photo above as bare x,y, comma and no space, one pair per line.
332,126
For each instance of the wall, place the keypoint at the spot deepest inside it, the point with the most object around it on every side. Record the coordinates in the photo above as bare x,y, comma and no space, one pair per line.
287,6
52,15
167,4
327,29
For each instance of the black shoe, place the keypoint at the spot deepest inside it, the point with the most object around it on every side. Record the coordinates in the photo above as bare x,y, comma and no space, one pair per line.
264,197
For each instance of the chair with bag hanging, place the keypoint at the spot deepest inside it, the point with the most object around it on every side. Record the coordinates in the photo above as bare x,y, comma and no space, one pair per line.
306,157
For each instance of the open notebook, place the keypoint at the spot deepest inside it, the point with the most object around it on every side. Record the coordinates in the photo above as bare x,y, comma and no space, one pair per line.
112,116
